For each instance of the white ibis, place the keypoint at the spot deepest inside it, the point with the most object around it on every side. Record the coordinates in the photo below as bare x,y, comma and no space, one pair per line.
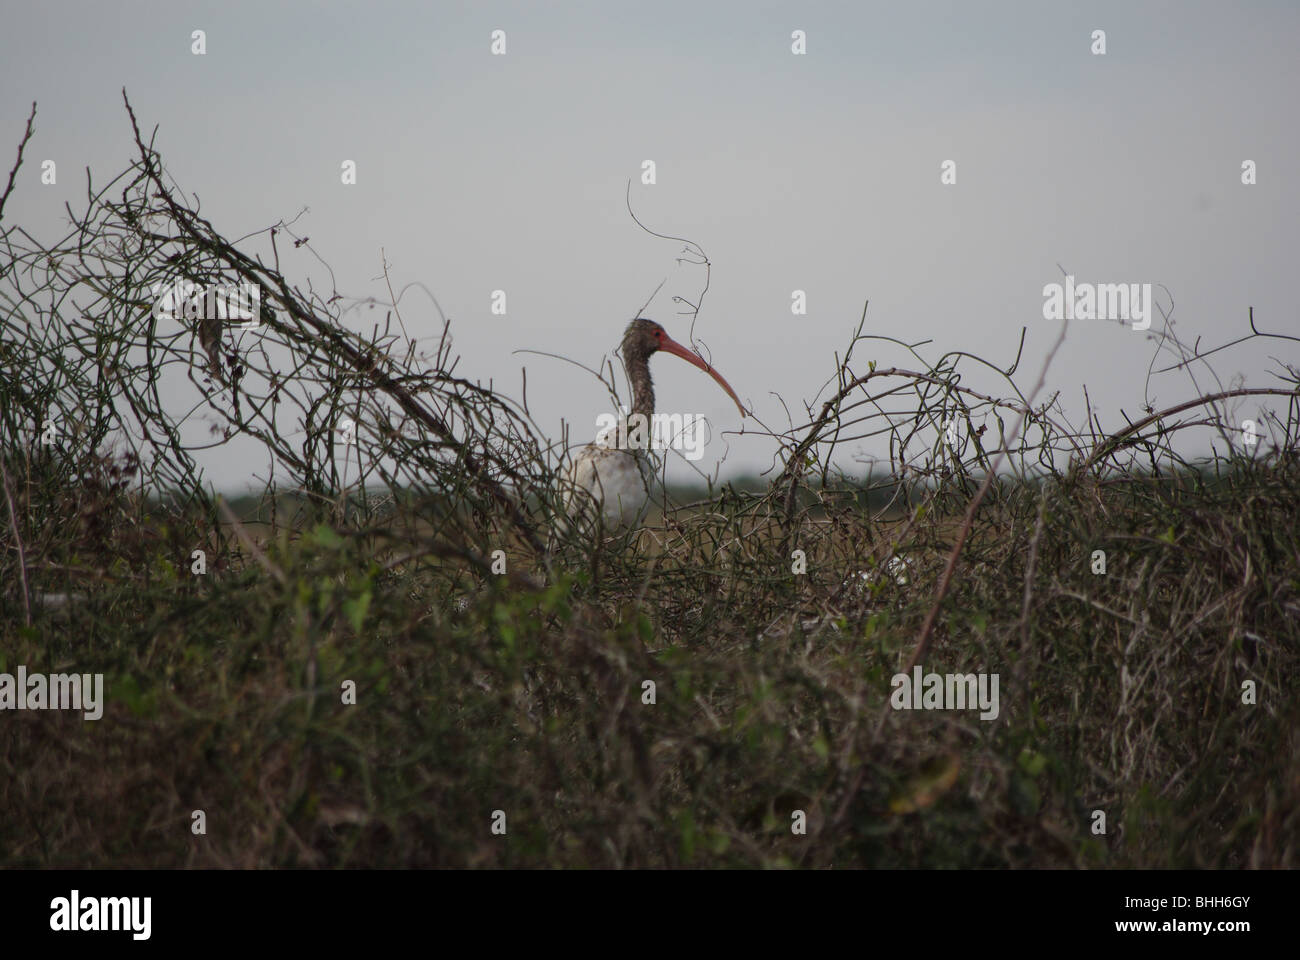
619,479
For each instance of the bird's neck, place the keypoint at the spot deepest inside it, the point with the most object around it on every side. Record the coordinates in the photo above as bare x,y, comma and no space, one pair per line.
643,391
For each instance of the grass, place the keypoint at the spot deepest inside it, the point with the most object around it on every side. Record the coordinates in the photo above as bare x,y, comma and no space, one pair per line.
1121,694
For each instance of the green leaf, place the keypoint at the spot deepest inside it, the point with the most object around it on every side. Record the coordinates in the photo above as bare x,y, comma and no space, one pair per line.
140,702
508,634
1031,762
325,536
688,835
355,610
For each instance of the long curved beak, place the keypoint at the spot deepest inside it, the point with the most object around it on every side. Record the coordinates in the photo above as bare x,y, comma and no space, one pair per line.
676,349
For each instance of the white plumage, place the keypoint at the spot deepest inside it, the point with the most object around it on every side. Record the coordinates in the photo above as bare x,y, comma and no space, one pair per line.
617,483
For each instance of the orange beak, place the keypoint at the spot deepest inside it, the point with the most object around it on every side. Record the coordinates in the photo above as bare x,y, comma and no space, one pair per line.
676,349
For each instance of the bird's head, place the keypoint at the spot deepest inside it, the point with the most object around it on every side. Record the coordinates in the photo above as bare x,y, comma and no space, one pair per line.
644,337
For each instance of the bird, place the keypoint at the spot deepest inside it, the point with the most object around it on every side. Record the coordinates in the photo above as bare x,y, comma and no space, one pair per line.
610,482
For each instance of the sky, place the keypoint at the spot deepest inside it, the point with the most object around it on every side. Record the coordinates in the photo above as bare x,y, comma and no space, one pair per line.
818,172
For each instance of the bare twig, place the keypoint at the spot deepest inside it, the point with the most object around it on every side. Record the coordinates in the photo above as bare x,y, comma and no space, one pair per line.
13,171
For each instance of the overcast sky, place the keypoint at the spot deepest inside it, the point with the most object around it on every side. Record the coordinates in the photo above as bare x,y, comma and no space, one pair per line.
817,172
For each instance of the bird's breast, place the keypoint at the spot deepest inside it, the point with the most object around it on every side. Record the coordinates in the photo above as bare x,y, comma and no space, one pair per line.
615,481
